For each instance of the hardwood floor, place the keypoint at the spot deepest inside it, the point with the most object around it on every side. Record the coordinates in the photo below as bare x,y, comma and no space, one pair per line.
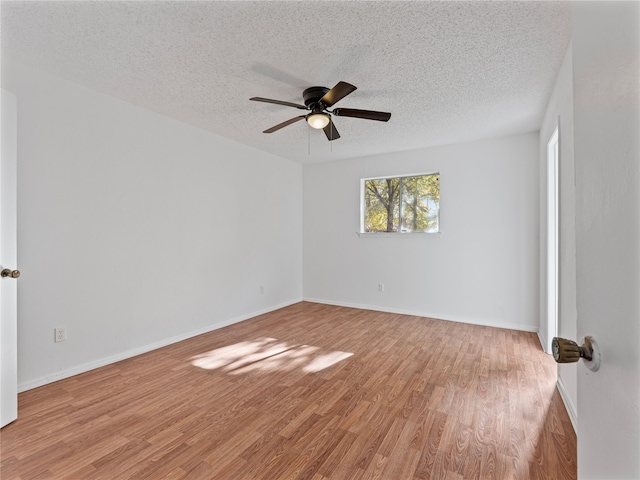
307,392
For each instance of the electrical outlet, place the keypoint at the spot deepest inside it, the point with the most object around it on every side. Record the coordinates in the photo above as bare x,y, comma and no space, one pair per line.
261,290
381,287
60,334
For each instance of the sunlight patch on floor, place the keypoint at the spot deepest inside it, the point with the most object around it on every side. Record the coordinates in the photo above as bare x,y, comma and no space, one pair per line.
540,419
268,355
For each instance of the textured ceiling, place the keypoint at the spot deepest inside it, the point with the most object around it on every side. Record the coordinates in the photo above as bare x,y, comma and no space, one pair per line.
447,71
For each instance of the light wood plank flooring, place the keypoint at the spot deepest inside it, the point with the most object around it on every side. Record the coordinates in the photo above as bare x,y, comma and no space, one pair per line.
307,392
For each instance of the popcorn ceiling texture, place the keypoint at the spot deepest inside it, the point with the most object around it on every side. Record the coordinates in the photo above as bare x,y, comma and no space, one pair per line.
448,72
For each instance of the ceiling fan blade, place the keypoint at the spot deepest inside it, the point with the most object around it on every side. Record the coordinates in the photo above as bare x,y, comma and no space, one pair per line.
284,124
278,102
337,93
331,132
367,114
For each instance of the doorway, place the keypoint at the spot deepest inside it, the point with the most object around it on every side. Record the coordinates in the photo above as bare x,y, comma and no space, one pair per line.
552,238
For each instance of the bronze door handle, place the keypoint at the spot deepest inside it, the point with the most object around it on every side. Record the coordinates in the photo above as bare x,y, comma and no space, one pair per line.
568,351
7,272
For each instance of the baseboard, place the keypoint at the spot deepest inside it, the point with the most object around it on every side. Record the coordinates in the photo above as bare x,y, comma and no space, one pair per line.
472,321
85,367
568,404
543,342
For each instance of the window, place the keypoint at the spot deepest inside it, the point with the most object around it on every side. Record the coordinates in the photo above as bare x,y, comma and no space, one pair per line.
401,204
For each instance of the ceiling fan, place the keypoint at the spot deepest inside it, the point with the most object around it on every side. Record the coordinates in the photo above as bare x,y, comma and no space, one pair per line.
318,100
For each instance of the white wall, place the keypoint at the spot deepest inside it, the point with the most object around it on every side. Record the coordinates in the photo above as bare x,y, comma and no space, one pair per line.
482,269
559,113
136,230
606,77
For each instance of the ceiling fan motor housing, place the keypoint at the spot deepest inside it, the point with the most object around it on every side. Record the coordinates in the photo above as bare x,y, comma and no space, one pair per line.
312,95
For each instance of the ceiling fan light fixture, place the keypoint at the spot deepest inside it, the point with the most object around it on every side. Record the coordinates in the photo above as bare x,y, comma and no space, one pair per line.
318,120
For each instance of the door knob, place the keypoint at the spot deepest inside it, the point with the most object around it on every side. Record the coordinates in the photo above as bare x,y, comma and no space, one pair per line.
7,272
568,351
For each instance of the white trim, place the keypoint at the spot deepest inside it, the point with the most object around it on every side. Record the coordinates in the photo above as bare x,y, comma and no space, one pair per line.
571,408
383,177
85,367
543,342
472,321
553,237
398,234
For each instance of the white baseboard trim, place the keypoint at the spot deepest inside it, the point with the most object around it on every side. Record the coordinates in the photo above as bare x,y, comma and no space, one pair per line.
472,321
571,408
85,367
543,342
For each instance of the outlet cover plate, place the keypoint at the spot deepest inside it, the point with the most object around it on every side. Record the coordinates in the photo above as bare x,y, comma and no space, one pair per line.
60,334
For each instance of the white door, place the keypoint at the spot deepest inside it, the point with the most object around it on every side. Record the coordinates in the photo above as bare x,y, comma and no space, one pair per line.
8,260
606,74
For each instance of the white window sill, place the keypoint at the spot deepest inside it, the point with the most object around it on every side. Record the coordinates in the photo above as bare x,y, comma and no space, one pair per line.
395,234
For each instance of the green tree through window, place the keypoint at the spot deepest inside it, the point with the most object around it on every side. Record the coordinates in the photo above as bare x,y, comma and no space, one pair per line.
402,204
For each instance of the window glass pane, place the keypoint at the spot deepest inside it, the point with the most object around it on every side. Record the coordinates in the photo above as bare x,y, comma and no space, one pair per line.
381,205
405,204
420,203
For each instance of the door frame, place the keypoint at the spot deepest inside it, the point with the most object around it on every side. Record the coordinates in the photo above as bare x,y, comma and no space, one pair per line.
553,237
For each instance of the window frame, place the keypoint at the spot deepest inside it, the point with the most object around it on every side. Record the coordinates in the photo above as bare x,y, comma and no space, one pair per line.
362,233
